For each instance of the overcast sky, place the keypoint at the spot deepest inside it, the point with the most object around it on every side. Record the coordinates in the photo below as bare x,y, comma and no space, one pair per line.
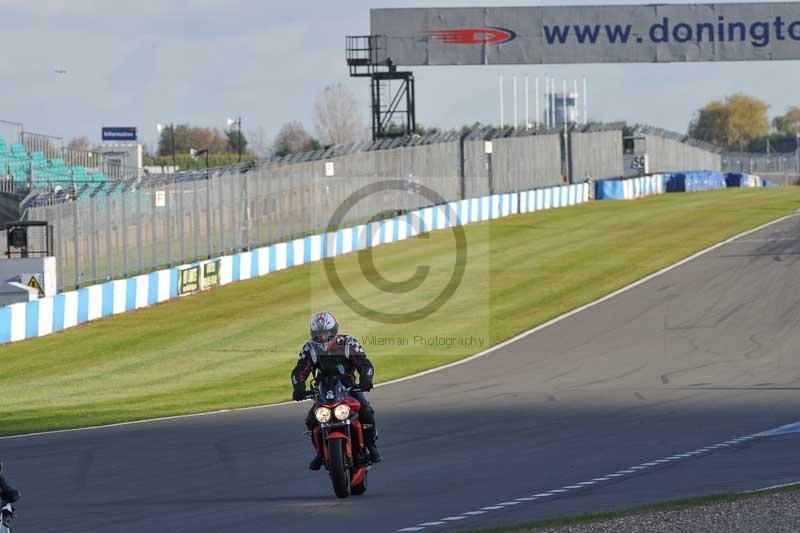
199,61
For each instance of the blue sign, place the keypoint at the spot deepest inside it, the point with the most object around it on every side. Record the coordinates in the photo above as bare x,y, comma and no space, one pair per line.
119,134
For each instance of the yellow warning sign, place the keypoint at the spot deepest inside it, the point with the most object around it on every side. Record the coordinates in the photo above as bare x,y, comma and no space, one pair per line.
34,284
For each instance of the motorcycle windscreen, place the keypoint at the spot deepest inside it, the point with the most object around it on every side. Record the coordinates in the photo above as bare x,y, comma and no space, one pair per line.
332,390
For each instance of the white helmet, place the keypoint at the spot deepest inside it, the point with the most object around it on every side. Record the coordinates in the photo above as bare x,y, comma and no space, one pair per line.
324,328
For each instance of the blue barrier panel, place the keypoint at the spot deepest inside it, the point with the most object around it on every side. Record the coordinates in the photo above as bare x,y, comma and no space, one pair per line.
704,181
676,183
609,190
735,179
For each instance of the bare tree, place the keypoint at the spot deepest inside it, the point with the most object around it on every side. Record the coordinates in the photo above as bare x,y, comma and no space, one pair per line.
259,145
336,117
293,138
80,143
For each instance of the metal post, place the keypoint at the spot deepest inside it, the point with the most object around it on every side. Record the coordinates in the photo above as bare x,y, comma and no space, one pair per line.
259,211
209,252
168,225
527,115
76,244
221,207
60,246
174,164
154,230
93,235
240,139
195,222
502,118
123,227
536,100
515,101
181,228
109,226
139,267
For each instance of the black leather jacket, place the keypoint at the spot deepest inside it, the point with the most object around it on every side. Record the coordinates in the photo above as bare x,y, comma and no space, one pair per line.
345,359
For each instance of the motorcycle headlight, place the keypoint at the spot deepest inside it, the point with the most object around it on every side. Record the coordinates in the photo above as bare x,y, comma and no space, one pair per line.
323,415
342,412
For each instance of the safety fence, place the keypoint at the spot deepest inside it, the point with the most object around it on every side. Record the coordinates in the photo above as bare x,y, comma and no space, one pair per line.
629,189
55,313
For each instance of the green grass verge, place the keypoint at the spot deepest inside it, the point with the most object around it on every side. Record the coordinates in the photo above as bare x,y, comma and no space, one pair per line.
676,505
235,346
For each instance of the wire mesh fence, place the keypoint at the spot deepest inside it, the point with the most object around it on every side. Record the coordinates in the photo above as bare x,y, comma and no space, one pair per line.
133,229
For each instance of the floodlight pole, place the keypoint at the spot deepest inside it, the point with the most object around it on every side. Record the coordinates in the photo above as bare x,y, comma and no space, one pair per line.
239,122
172,135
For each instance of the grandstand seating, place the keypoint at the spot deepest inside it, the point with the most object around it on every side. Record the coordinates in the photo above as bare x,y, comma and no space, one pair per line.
16,162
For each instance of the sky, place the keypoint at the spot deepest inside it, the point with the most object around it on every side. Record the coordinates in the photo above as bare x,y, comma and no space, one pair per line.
200,61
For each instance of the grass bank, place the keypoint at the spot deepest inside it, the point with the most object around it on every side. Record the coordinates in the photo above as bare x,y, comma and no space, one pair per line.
235,346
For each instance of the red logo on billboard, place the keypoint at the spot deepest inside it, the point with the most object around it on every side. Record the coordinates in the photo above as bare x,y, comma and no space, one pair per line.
473,35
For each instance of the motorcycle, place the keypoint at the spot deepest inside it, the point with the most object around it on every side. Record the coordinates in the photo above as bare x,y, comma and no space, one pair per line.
340,436
6,514
6,509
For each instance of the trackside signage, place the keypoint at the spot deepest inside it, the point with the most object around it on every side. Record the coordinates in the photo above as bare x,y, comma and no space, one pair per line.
755,31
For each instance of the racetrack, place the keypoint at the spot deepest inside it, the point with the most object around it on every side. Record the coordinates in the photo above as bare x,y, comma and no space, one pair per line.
694,357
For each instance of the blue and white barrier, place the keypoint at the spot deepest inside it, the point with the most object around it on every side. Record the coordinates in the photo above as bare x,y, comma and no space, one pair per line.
630,188
56,313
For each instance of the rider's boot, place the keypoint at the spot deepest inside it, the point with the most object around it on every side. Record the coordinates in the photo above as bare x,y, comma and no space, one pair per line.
370,436
317,462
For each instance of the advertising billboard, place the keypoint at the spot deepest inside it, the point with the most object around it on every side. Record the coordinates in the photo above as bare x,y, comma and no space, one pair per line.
119,134
587,34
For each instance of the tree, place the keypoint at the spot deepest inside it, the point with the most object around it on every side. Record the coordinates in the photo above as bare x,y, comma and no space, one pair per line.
788,123
187,137
732,123
336,117
259,145
237,143
293,138
80,143
747,119
711,124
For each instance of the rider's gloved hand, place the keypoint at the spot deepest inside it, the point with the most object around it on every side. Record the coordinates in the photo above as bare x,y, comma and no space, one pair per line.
299,393
365,385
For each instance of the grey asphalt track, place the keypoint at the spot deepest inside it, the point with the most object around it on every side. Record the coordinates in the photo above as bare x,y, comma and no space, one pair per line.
704,353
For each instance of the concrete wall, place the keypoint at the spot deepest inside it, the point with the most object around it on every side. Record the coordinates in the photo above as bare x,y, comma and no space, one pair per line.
667,155
528,162
525,162
596,155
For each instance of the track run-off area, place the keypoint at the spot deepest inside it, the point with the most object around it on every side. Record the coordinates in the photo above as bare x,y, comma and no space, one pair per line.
657,392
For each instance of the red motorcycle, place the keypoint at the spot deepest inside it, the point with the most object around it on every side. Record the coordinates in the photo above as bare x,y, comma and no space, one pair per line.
340,436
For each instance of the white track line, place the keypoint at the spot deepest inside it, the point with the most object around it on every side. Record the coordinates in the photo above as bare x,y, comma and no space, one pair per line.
455,363
588,484
782,485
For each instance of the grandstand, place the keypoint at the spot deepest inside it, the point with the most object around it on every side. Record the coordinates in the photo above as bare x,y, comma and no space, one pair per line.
32,169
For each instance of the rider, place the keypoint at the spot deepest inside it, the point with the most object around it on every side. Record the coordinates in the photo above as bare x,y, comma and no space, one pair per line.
8,495
331,354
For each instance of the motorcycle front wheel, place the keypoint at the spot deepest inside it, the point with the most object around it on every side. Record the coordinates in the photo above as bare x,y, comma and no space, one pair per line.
340,475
